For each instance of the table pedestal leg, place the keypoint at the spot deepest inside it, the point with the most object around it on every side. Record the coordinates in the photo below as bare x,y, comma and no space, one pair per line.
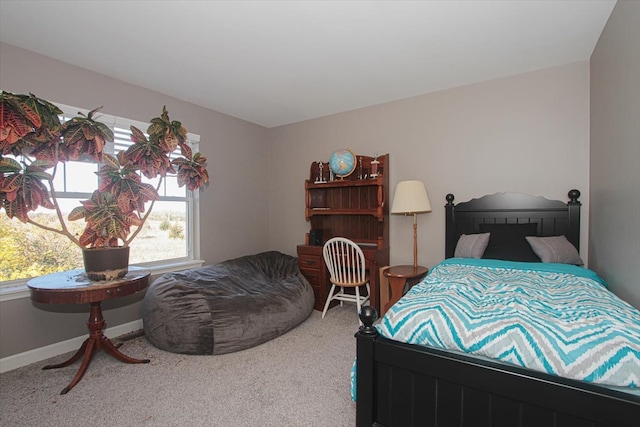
96,341
397,286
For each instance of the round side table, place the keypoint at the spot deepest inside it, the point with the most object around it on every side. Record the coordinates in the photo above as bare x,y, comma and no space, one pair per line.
74,287
399,276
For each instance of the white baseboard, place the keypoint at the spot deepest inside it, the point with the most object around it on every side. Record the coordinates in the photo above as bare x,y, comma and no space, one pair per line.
15,361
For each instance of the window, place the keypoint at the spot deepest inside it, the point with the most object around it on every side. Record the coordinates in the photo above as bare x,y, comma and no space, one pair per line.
169,236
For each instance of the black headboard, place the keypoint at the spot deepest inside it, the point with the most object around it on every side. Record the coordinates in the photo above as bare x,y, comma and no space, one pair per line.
554,217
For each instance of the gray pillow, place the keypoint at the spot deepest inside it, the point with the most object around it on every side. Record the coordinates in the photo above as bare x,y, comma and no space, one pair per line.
471,245
555,249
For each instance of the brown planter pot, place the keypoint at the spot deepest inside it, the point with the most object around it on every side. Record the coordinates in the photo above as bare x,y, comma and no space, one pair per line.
106,263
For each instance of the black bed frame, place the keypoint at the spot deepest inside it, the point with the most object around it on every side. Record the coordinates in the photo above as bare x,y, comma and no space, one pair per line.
406,385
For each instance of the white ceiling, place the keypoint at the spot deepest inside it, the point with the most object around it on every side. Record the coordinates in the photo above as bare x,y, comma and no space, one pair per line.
280,62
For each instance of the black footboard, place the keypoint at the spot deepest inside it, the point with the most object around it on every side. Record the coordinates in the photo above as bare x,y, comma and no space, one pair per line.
406,385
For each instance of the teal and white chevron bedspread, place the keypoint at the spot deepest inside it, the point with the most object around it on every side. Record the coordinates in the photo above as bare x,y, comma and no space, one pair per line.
553,318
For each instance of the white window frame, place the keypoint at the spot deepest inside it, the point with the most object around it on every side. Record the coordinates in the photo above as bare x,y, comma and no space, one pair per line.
15,289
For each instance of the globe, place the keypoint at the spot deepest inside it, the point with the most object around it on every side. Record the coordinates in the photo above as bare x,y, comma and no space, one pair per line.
342,162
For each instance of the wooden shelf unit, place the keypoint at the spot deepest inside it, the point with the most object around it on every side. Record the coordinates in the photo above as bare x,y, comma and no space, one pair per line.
351,207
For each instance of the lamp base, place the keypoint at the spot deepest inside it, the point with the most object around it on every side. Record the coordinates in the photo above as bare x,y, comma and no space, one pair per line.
415,241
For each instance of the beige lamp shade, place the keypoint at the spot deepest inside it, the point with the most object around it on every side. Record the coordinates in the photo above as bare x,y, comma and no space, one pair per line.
410,198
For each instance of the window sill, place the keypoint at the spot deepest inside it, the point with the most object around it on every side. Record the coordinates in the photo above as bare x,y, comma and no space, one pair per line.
19,289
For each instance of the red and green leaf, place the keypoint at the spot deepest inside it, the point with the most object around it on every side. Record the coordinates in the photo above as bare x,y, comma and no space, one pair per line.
106,222
23,190
192,172
148,156
84,135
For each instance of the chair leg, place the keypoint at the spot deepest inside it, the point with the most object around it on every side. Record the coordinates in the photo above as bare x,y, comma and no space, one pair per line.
329,297
358,304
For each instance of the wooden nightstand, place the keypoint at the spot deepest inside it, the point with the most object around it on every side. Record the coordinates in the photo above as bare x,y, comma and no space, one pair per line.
399,276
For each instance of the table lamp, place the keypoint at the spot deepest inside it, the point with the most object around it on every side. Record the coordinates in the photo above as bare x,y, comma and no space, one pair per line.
411,198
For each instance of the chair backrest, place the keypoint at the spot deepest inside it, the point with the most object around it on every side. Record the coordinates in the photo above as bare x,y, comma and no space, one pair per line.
345,262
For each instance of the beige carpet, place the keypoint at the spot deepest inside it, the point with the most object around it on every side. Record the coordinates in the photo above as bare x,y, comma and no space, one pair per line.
298,379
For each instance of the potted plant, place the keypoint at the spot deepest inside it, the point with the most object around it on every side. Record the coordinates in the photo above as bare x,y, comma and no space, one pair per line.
30,125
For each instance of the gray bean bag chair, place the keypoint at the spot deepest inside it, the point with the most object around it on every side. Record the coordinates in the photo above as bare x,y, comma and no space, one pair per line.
227,307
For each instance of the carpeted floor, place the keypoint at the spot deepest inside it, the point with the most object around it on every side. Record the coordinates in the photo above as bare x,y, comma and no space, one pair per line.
298,379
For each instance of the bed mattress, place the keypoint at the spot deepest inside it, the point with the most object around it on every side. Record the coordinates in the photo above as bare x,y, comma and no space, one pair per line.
554,318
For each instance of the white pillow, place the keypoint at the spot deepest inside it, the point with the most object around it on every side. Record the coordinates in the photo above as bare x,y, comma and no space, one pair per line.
471,245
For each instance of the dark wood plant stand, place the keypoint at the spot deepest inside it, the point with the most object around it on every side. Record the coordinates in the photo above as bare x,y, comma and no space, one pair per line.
73,287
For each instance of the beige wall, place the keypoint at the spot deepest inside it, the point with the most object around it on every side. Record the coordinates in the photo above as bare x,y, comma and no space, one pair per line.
233,209
527,133
614,248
